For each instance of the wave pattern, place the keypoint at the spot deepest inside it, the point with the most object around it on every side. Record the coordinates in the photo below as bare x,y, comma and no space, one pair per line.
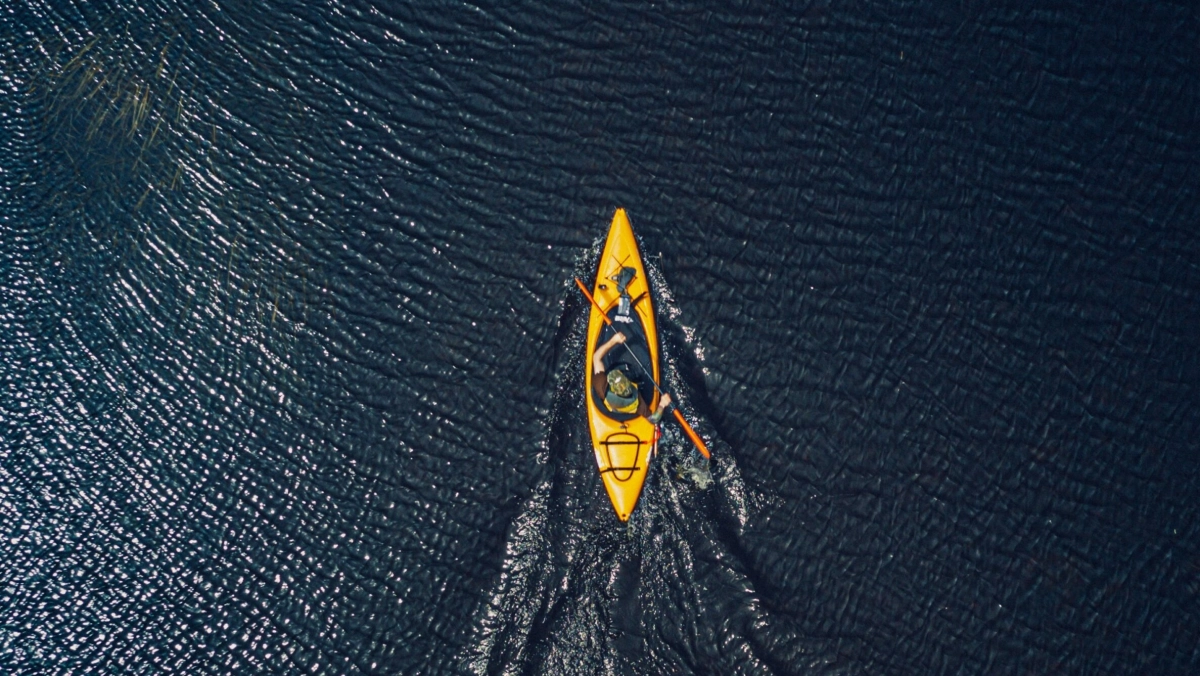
288,362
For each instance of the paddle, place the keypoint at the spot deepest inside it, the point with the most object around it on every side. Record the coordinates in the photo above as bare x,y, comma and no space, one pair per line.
674,409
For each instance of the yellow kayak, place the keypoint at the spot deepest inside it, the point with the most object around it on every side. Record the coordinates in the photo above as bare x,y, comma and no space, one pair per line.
624,442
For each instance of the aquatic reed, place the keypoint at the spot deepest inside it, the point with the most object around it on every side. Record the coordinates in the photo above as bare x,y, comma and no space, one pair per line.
113,102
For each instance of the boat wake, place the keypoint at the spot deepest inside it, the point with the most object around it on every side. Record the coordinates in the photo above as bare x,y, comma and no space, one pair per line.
671,591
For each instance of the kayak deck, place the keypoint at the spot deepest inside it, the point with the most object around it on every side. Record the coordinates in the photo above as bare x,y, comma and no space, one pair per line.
624,444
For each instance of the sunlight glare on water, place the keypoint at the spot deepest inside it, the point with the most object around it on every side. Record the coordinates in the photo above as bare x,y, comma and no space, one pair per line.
291,358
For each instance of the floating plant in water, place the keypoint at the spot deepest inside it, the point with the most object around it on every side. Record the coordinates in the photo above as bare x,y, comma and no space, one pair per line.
113,103
123,126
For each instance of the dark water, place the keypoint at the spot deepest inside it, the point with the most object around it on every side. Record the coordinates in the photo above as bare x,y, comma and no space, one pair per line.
290,357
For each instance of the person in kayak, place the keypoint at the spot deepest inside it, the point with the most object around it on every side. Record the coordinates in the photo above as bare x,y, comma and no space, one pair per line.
616,390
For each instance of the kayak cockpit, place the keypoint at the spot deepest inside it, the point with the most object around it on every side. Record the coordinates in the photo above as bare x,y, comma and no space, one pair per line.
627,361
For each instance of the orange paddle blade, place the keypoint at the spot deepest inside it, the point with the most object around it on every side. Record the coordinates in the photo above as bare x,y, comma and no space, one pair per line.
593,301
692,433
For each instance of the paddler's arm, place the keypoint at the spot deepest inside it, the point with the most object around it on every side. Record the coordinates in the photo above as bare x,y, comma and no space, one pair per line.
600,385
663,402
598,358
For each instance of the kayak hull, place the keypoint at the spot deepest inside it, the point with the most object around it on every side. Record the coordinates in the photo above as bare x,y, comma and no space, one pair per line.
624,445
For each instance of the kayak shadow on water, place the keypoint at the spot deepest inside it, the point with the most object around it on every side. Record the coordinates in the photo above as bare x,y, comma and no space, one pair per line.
580,592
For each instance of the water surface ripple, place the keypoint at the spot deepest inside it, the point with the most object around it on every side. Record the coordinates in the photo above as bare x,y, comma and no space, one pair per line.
290,357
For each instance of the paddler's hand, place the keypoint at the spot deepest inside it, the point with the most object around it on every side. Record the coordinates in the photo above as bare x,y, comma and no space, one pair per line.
617,339
663,402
